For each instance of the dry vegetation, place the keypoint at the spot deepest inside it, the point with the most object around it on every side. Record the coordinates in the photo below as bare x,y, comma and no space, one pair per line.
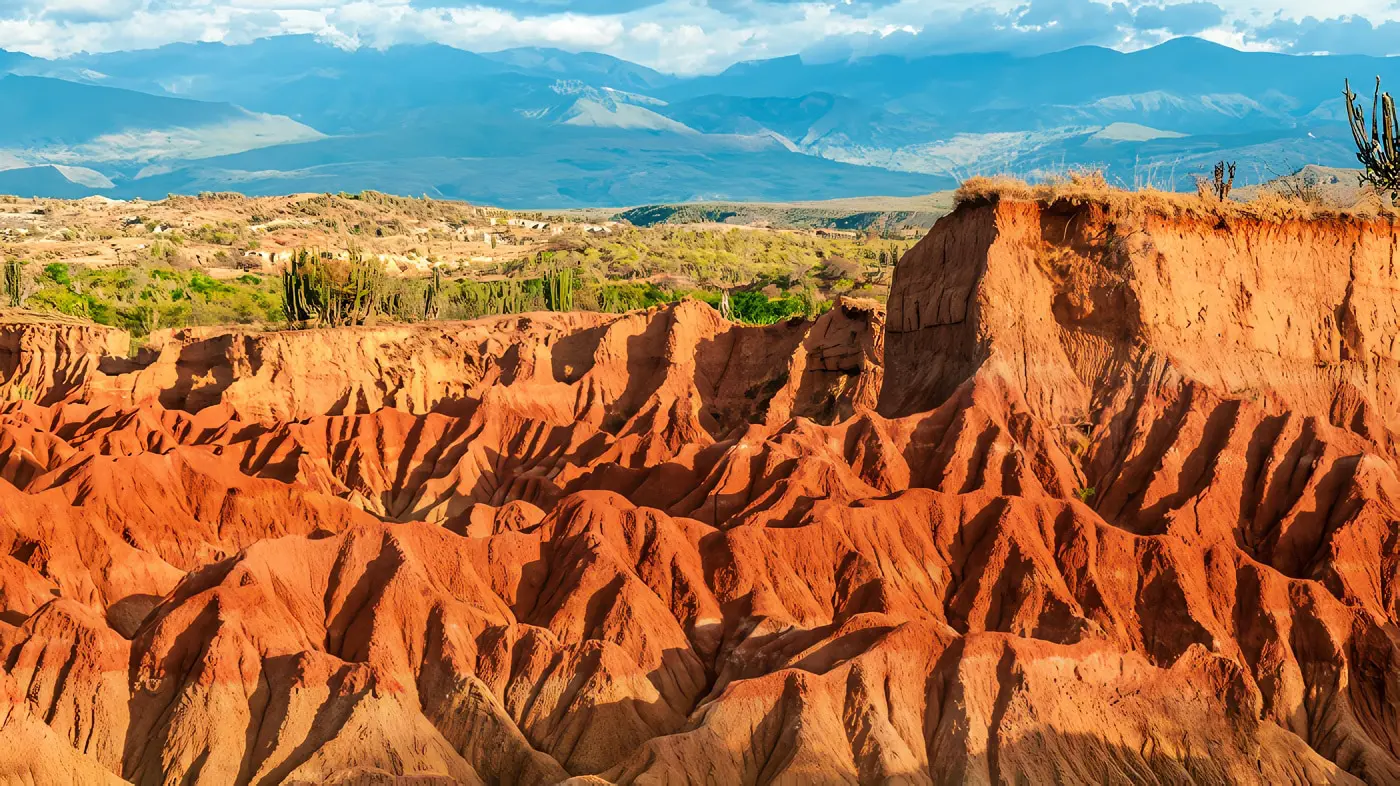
231,231
219,259
1291,198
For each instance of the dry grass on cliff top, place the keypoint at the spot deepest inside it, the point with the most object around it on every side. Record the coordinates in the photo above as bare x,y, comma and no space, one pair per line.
1092,188
30,316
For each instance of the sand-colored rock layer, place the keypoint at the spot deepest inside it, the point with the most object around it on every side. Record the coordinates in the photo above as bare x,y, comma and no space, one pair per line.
1112,498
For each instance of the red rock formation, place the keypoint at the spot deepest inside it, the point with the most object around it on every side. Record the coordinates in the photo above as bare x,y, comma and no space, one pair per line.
1111,498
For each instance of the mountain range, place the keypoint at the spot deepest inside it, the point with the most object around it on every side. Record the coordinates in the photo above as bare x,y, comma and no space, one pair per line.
535,128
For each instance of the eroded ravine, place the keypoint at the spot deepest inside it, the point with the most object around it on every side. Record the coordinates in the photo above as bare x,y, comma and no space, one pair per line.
1108,496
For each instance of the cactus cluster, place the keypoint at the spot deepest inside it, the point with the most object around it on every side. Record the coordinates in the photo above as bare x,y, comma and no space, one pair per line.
554,290
476,299
318,290
1377,151
298,289
329,292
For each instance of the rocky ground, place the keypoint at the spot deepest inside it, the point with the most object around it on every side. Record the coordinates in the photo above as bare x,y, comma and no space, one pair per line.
1109,495
230,233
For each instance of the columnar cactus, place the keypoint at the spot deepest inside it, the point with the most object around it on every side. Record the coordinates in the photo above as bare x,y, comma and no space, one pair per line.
300,290
432,298
313,292
1376,151
14,282
1223,180
559,289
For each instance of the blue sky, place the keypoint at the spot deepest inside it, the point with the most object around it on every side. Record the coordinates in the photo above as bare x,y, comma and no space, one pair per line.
697,36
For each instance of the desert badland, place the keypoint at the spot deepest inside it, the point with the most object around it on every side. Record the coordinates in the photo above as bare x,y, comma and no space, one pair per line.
1106,493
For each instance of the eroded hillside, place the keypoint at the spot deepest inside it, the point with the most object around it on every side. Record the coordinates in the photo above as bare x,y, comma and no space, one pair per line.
1108,496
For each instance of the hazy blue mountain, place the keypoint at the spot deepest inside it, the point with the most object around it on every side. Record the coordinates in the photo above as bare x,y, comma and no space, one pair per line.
592,167
970,82
40,110
12,60
589,67
546,127
57,182
52,121
808,119
332,89
1171,109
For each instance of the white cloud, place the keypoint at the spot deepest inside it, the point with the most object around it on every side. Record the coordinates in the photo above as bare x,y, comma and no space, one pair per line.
695,35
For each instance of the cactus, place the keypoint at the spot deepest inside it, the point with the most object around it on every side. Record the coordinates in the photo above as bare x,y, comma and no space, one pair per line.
14,282
363,293
472,299
559,289
1223,180
432,298
308,293
1376,151
297,288
315,289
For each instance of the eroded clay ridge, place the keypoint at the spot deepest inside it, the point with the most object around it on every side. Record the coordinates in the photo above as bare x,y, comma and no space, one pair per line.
1110,499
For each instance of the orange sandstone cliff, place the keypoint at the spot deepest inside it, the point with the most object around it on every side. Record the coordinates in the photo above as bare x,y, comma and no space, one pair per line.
1108,496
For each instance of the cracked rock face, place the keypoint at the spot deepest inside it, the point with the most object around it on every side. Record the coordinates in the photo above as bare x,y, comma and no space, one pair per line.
1108,496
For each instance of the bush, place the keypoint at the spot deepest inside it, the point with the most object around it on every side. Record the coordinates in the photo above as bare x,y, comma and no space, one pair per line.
620,298
756,308
138,320
203,284
59,273
841,269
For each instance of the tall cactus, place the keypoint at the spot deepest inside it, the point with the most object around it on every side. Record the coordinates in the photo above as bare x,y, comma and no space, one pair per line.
366,283
559,289
432,298
1223,180
14,282
297,285
1377,151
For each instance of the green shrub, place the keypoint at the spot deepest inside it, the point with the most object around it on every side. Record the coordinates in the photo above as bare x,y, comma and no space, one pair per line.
756,308
59,273
204,284
140,320
620,298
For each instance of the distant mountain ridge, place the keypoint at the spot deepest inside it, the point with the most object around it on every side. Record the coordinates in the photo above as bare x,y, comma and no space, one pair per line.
56,121
549,128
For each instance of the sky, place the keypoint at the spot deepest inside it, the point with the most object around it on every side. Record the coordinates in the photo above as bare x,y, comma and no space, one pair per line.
706,36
